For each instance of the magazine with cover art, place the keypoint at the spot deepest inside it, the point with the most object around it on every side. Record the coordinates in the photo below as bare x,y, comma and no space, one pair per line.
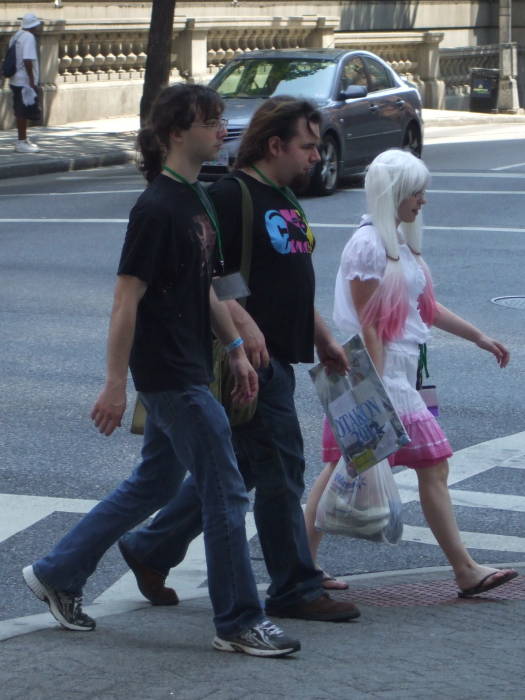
364,422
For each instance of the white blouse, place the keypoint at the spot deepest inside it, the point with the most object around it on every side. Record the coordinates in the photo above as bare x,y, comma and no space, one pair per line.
364,258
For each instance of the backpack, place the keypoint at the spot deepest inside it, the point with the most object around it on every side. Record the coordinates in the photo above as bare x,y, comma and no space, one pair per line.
9,64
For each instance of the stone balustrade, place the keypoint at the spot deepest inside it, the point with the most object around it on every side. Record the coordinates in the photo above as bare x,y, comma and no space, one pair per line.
95,68
455,66
101,57
227,41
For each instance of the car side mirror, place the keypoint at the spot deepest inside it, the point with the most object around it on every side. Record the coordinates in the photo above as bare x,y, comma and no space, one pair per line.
352,92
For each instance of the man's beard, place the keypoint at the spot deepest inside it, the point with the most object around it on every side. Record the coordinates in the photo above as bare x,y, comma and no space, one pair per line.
301,183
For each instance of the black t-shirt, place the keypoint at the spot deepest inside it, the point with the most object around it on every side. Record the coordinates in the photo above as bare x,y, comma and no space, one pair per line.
169,245
282,282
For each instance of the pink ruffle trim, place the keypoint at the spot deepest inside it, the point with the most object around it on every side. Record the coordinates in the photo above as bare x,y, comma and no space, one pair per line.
428,446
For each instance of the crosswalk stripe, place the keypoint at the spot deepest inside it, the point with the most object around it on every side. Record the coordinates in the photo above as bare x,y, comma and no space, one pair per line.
483,499
123,596
187,578
470,462
471,540
18,512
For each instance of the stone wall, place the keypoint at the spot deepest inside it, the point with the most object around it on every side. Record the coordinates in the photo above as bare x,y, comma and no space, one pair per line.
93,53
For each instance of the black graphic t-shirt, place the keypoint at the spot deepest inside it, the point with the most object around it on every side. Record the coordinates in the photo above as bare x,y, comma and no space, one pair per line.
282,280
169,245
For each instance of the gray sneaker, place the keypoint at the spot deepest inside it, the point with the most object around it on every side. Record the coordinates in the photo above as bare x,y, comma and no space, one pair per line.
263,639
64,607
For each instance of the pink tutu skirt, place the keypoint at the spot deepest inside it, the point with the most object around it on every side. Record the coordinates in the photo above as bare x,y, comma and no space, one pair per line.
428,443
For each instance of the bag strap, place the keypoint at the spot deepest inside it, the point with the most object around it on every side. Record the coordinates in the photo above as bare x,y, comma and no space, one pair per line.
247,239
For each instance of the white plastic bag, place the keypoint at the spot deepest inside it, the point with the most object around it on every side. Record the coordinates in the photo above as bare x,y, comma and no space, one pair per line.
367,506
28,95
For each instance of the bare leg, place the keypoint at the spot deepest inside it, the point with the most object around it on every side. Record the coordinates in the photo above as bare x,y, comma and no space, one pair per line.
438,511
315,536
21,125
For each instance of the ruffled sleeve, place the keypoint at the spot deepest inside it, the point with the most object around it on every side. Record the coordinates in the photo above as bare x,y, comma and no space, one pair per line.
364,256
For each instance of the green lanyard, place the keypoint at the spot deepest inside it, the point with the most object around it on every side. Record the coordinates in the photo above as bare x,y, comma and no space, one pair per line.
285,191
208,207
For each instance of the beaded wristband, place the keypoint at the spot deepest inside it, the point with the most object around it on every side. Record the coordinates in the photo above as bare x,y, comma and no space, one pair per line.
234,344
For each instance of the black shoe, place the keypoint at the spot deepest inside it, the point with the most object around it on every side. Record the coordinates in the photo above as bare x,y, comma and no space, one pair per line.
149,581
322,609
263,639
64,607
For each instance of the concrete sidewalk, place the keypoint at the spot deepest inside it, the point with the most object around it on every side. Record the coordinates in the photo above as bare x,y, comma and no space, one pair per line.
112,142
71,147
414,640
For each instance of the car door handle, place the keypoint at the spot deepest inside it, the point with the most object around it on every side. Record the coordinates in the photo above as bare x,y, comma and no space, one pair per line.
373,108
400,102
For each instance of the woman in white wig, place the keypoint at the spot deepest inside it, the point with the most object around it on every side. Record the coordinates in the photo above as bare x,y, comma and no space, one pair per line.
384,291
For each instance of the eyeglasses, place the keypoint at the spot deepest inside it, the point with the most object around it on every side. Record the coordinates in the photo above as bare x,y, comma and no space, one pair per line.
213,124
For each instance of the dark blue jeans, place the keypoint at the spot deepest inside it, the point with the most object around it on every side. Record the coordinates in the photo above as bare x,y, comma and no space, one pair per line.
184,430
269,452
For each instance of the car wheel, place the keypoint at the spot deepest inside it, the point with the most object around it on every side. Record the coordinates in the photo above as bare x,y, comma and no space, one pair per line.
412,140
326,173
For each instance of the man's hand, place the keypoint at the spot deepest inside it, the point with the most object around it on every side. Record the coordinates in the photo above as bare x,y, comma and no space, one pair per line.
331,353
108,410
499,351
254,342
332,356
246,381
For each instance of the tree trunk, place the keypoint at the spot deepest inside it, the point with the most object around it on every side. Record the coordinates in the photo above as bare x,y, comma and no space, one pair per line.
159,53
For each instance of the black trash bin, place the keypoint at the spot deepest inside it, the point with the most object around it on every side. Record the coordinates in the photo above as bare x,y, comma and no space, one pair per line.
484,84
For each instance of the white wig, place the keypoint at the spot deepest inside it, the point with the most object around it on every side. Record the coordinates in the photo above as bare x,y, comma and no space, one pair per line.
392,177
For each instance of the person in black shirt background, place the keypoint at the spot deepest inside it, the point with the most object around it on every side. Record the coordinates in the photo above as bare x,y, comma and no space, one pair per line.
280,327
160,326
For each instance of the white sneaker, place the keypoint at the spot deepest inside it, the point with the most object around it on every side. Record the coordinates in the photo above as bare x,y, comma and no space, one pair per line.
264,639
65,608
26,147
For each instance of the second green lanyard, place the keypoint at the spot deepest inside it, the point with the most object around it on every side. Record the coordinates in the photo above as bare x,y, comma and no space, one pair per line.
286,192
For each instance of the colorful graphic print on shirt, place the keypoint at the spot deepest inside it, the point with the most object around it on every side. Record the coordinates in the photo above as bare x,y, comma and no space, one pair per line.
288,232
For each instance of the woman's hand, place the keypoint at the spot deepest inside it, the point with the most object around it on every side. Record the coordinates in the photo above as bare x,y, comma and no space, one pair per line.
499,351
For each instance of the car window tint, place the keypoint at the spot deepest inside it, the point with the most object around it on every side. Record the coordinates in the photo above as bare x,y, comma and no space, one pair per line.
311,79
379,77
231,82
267,77
353,73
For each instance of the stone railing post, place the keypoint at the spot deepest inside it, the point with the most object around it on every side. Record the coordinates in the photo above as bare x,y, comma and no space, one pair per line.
322,37
428,63
191,47
508,100
48,43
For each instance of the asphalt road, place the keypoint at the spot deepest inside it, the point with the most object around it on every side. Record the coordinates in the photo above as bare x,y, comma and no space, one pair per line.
60,238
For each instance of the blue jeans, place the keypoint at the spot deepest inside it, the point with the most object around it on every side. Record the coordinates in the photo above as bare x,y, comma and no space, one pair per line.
269,451
184,430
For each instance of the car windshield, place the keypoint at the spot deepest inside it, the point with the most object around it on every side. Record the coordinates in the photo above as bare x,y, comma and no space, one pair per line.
256,78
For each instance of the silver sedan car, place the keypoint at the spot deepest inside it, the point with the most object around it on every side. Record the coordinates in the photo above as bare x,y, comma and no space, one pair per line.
366,107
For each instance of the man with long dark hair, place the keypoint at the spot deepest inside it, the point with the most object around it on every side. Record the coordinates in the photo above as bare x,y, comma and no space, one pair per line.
280,328
160,326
